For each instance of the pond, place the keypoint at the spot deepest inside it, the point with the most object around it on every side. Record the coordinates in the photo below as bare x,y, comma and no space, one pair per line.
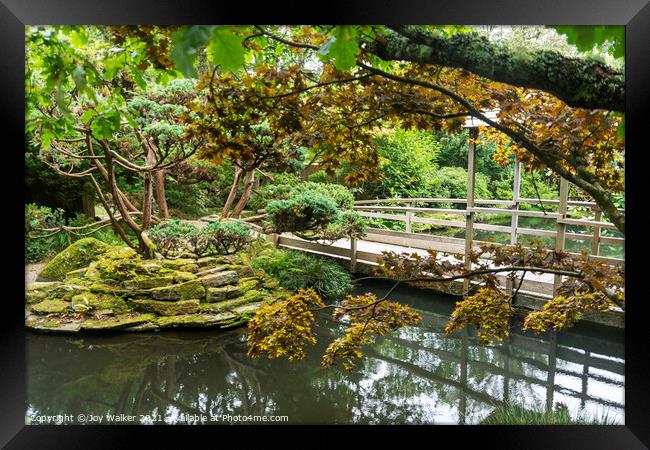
418,375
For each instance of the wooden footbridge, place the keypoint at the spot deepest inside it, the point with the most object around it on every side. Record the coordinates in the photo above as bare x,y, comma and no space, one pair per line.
362,254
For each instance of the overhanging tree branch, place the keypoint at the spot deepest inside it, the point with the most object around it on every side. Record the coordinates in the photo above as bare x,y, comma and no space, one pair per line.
579,82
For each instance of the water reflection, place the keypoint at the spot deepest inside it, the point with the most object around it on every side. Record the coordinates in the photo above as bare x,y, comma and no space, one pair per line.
417,375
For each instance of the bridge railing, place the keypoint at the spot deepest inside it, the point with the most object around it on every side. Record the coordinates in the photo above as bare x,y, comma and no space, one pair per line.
376,208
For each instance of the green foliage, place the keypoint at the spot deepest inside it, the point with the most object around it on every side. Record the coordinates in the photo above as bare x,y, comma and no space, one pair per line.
284,328
341,47
511,414
306,211
228,237
298,270
78,255
408,163
225,49
174,238
286,187
608,38
452,183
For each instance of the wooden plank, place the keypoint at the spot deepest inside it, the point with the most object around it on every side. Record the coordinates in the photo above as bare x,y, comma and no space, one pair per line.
401,218
514,212
587,223
561,227
410,209
595,241
469,218
432,200
514,220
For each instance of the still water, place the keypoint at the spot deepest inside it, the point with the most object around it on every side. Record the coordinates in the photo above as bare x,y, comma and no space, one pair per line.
418,375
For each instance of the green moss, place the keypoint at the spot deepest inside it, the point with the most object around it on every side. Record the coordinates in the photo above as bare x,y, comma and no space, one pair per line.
246,284
148,282
118,322
189,268
77,255
166,308
184,291
180,277
220,294
194,320
219,279
51,307
89,302
225,305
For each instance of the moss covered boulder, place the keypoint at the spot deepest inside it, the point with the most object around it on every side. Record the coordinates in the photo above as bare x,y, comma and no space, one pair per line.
163,308
51,307
183,291
76,256
112,288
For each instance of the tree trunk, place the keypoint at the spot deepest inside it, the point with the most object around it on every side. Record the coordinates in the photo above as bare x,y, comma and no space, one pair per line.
147,202
159,192
233,193
246,195
88,201
579,82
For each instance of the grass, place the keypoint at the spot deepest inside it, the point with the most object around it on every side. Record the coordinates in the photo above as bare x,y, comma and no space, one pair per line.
517,415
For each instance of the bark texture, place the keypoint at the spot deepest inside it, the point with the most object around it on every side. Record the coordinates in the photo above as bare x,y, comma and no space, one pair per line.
579,82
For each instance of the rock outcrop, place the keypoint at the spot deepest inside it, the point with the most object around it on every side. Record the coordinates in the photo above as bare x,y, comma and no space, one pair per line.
101,287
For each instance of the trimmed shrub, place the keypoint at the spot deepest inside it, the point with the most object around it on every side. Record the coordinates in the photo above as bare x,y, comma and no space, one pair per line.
297,270
306,211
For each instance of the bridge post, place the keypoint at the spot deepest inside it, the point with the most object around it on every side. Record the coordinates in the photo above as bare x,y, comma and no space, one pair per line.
561,227
409,218
469,214
353,255
595,240
514,220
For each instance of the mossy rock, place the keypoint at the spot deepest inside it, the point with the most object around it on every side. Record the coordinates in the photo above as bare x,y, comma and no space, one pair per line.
51,307
193,268
242,270
206,261
148,283
249,308
52,325
103,288
181,277
184,291
76,274
117,322
77,255
176,264
225,305
166,308
246,284
195,320
219,294
120,270
219,279
210,271
99,303
37,292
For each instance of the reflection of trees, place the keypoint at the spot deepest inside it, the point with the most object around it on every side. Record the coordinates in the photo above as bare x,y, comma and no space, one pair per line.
416,375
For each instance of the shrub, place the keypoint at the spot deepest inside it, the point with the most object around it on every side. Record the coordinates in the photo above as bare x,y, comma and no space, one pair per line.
171,237
452,183
307,211
43,217
297,270
228,237
174,238
286,187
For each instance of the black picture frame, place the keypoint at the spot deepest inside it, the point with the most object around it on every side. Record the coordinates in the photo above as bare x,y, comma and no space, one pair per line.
15,14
